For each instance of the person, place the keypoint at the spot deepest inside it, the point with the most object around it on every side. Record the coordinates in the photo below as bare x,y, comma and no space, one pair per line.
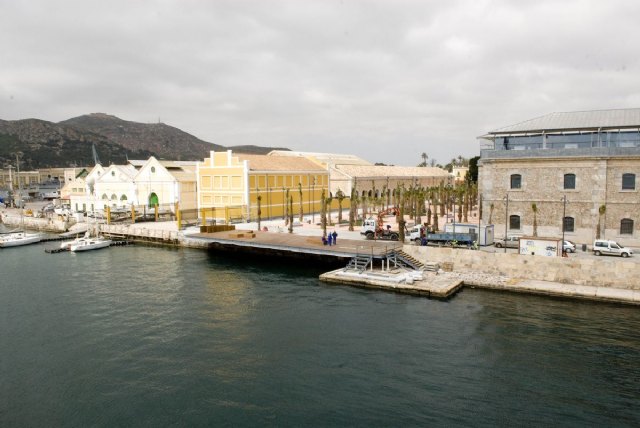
324,240
335,236
329,239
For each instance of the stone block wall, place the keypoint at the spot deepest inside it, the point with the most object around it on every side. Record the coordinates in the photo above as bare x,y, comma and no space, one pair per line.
601,271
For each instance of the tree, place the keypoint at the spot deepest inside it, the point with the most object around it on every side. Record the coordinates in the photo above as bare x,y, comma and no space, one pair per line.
424,160
286,208
301,211
491,207
353,208
291,214
259,210
473,169
323,214
340,196
534,208
401,222
328,208
601,211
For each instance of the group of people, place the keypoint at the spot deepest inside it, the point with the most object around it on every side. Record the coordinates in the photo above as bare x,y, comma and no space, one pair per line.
330,239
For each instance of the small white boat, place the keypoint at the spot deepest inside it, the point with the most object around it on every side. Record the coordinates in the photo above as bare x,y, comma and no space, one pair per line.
17,239
66,245
86,244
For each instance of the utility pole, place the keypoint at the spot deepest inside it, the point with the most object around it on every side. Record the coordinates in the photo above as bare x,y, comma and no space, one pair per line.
564,215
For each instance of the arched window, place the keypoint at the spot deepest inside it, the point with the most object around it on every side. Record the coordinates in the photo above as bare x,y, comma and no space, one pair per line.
114,197
516,181
123,197
626,226
514,222
104,196
569,181
628,182
569,224
153,169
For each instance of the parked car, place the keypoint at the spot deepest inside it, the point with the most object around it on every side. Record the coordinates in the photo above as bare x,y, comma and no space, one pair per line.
510,242
569,247
603,246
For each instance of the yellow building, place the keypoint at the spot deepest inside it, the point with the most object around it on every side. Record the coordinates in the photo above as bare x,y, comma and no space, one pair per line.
232,186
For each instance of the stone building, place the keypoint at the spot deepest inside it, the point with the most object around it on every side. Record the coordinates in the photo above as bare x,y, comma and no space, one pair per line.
579,169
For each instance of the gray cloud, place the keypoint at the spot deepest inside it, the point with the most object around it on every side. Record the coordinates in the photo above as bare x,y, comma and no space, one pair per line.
384,80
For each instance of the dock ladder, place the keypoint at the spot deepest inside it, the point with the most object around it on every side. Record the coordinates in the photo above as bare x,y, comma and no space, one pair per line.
359,263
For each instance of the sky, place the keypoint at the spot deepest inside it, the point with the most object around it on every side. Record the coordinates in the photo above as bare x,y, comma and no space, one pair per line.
384,80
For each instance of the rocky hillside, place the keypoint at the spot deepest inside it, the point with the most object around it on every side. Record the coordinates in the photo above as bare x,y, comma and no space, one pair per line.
47,144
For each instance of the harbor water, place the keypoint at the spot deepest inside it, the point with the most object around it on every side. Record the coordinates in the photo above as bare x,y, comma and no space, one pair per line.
149,336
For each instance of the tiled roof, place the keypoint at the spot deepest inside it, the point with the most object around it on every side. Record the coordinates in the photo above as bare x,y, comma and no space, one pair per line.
576,120
333,158
366,171
278,163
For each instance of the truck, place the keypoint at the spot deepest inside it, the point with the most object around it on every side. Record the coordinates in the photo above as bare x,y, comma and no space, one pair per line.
418,232
374,228
486,231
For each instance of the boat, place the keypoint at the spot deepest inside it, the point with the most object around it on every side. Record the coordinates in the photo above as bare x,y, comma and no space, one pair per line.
87,244
16,239
19,238
66,245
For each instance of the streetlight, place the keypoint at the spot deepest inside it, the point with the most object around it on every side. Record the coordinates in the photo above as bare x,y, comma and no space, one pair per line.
506,220
564,215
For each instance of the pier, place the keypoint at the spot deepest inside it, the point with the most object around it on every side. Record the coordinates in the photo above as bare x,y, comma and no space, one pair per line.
269,244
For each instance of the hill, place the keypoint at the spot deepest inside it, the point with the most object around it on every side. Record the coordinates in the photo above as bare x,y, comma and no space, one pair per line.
47,144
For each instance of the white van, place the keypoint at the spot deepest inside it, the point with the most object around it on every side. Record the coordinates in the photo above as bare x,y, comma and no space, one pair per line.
602,246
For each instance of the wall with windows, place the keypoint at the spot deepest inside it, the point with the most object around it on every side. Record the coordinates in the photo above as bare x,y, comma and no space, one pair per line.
228,185
587,184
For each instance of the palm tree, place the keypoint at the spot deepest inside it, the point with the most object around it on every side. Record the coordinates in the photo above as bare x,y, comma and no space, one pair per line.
401,222
301,211
601,211
340,196
259,210
353,208
290,213
286,207
328,208
323,214
534,208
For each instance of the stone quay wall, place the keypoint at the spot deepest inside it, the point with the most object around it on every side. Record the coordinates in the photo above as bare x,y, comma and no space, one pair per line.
51,224
605,271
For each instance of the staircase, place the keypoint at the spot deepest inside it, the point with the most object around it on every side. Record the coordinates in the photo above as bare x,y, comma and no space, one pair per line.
406,260
359,263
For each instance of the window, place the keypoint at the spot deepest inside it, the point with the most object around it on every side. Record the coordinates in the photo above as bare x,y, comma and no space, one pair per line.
626,226
153,169
569,224
569,181
628,182
516,181
514,222
123,197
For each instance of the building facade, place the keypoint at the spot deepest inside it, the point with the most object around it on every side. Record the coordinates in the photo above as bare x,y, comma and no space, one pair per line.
234,187
573,174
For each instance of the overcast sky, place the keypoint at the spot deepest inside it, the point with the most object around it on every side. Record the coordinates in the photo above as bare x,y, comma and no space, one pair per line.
385,80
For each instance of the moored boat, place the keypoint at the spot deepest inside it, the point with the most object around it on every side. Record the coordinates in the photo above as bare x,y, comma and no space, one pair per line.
17,239
86,244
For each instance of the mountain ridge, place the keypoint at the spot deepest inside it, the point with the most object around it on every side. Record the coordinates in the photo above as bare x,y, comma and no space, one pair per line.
69,142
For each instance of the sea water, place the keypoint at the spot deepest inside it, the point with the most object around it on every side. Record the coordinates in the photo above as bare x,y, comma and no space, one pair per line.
150,336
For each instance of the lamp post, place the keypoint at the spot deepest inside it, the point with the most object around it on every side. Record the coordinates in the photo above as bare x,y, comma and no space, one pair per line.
479,218
506,220
564,214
